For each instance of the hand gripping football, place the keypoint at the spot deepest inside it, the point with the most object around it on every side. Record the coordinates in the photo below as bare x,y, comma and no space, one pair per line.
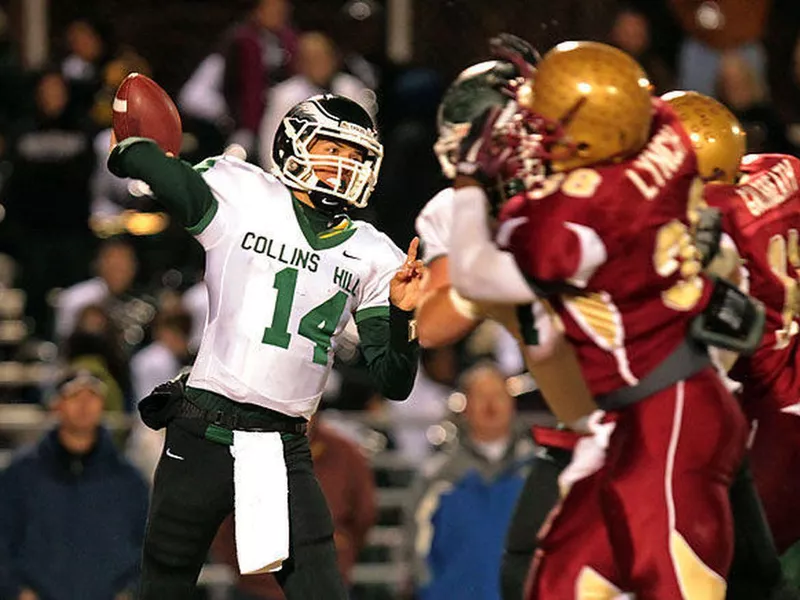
143,109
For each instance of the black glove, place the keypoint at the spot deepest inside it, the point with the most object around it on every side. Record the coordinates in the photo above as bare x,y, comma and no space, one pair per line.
161,406
708,234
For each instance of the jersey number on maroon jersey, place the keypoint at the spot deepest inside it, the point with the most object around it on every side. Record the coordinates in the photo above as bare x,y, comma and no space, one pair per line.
580,183
782,252
675,252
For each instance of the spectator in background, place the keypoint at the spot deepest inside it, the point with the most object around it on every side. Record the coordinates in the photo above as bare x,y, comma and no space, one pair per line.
259,54
48,194
88,50
96,345
361,33
714,27
319,72
631,33
743,90
116,268
166,356
161,361
463,504
349,488
72,510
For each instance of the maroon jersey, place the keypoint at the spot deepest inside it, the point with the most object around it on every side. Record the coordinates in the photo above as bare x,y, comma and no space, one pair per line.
621,234
762,216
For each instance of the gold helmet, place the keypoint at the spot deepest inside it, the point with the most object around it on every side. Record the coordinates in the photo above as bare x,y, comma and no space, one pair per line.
717,136
595,101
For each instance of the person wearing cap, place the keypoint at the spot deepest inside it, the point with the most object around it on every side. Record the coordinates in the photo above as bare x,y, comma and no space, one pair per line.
72,509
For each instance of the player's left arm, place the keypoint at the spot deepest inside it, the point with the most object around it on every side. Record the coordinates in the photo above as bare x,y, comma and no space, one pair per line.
479,270
387,332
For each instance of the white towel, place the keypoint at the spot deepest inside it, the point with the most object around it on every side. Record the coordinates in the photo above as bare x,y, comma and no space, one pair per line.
261,501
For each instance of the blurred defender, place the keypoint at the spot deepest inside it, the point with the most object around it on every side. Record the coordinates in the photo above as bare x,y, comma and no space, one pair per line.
610,226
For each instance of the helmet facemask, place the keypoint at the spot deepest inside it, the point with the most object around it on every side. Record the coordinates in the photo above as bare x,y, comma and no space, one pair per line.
353,181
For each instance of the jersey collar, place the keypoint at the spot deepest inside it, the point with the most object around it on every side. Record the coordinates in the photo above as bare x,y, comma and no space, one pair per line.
314,226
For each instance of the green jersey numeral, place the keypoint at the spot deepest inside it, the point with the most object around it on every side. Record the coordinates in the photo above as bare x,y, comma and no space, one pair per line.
277,334
317,325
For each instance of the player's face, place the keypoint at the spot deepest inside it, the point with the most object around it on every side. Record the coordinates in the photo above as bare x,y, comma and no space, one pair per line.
334,149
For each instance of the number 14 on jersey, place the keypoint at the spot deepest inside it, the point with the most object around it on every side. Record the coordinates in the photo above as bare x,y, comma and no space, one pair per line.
317,325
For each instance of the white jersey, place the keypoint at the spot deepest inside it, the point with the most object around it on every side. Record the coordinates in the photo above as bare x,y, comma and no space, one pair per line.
278,292
434,223
534,328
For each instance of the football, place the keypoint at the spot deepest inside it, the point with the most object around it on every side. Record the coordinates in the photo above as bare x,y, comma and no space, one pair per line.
143,109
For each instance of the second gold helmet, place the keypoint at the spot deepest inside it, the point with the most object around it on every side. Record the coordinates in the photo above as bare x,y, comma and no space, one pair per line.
716,134
599,99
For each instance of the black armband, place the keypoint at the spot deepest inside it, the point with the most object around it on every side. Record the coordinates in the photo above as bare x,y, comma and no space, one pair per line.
402,327
732,320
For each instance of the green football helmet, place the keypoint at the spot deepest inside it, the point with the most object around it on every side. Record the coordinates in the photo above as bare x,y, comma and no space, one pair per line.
474,91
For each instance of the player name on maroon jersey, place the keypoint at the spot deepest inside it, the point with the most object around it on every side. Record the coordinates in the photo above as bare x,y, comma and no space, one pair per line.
769,189
659,162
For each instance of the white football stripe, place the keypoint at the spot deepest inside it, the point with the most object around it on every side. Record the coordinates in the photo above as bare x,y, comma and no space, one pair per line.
120,105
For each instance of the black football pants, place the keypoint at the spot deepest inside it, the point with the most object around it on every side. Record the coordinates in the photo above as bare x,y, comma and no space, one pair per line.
192,495
755,571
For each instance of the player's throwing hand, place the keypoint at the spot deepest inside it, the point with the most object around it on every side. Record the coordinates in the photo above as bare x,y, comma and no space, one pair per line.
404,291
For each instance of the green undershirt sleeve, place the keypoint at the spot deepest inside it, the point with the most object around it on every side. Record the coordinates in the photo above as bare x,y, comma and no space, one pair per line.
176,185
390,356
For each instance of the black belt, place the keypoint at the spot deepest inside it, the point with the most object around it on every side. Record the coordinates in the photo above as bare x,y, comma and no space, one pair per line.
686,360
235,421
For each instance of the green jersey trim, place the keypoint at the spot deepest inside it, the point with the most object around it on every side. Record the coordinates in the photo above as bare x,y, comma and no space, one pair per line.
219,435
205,165
313,225
205,220
372,311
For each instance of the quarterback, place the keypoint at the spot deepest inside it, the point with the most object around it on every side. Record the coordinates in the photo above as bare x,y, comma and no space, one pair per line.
285,269
607,225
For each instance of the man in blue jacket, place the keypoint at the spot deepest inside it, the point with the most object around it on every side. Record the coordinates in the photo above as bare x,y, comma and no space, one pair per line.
72,510
464,502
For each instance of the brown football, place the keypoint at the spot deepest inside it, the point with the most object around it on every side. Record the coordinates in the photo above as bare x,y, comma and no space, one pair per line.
143,109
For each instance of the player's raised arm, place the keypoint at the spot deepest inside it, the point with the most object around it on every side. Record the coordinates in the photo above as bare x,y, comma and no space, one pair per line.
148,127
478,268
388,337
175,184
